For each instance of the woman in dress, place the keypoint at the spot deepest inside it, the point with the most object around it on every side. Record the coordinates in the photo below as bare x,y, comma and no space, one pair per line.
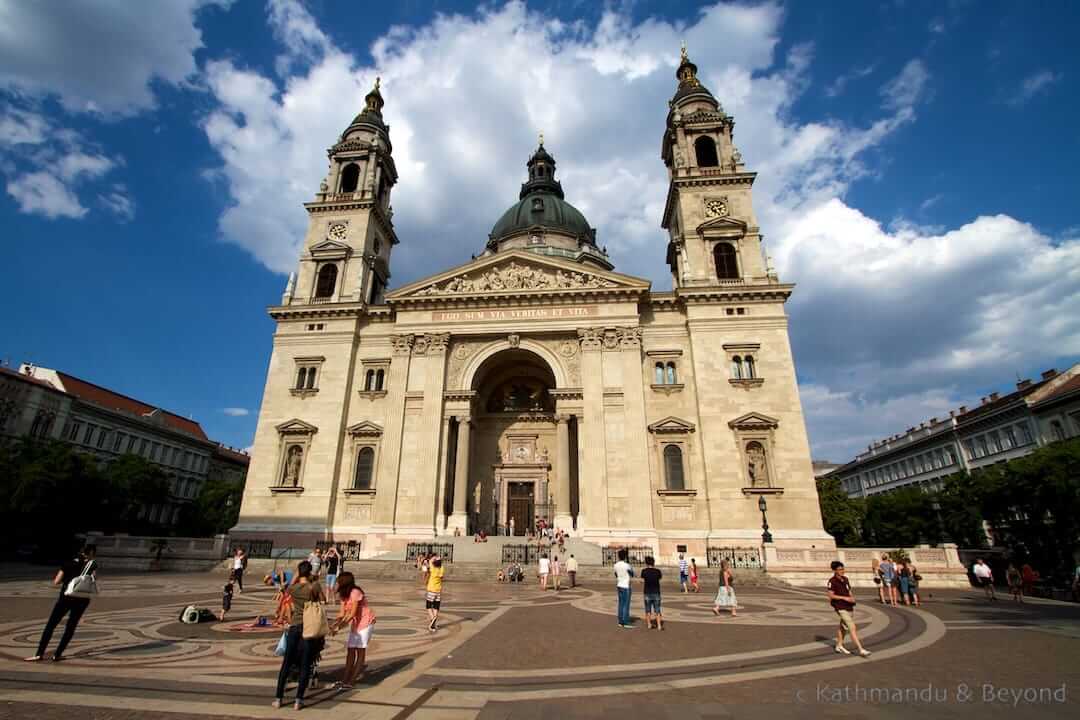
875,570
357,615
694,576
904,573
82,564
725,596
913,585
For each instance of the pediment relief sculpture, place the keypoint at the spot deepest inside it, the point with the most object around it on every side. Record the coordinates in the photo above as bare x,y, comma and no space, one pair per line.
517,276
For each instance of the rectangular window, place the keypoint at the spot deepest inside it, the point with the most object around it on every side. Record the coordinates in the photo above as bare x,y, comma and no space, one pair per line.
1025,434
143,444
131,444
73,436
969,447
175,456
102,436
155,452
118,442
88,435
995,441
1008,438
981,447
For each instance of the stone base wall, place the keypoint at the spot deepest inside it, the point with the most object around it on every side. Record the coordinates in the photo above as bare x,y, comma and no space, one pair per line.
940,567
134,552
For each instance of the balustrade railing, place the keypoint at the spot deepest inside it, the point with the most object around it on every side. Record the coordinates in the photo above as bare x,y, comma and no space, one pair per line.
443,550
737,557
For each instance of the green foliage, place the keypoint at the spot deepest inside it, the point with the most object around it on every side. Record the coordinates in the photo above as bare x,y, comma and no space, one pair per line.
904,517
900,555
961,500
49,493
842,516
215,511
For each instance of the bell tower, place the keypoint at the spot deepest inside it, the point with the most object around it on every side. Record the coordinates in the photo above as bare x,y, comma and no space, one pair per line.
346,254
714,237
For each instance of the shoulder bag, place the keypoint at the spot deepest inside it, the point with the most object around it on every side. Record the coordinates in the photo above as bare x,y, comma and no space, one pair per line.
83,585
315,625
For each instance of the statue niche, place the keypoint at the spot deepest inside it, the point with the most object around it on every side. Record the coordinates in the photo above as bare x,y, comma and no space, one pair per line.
757,467
293,460
520,394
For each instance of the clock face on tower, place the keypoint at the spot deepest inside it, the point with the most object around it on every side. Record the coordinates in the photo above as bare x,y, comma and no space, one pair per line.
715,207
337,231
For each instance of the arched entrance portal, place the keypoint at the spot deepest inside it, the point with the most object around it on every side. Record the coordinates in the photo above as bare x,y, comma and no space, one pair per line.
518,446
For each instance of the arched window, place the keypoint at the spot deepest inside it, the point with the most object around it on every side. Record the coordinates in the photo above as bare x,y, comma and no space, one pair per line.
365,467
301,378
724,257
310,379
659,374
705,149
324,286
369,380
379,375
750,371
736,368
673,469
671,373
350,178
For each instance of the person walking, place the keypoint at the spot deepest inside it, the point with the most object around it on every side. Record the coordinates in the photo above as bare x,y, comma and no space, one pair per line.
623,573
556,572
226,598
433,594
650,578
239,565
843,602
544,569
73,601
984,576
358,616
694,576
1015,581
889,580
725,594
571,570
299,650
332,561
684,572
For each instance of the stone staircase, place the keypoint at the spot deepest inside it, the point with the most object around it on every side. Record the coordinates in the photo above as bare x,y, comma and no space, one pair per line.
467,550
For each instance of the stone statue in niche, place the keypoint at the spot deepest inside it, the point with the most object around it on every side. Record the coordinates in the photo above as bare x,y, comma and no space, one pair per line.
293,458
476,497
756,466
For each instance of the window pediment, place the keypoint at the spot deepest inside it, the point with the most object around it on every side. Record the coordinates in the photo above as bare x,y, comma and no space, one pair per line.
365,429
725,226
754,421
296,427
330,250
672,425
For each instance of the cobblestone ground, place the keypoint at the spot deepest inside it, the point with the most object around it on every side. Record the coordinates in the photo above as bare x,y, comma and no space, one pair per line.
516,652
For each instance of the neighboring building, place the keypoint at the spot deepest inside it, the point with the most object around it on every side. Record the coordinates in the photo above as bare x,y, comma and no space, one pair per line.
49,404
823,468
1001,428
228,465
533,381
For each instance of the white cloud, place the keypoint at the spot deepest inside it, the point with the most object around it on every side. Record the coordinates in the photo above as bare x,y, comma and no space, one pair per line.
839,85
893,321
97,57
21,127
1033,85
42,193
119,202
236,411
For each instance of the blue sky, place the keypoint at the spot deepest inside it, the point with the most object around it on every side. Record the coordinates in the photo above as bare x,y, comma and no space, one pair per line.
917,176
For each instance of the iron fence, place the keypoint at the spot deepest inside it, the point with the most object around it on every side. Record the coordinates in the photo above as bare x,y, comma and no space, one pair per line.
737,557
347,550
255,548
523,554
635,555
443,550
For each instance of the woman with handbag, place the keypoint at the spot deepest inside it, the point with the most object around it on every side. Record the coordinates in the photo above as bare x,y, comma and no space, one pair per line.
77,579
307,628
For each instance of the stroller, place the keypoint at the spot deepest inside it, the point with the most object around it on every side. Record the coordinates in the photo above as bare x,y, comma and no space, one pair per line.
316,658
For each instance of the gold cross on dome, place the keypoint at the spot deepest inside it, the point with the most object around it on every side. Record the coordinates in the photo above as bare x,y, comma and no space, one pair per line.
682,50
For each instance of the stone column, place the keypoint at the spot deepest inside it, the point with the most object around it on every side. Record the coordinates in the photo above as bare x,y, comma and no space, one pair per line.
593,512
460,518
386,480
440,491
636,452
563,518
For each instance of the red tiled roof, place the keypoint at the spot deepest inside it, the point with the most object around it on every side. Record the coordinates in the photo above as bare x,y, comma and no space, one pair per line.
115,401
1072,385
233,455
1001,402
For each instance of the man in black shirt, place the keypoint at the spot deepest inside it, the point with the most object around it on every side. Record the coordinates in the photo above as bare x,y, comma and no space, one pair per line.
651,576
71,605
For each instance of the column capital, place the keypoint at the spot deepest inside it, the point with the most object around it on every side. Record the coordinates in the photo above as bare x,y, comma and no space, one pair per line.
563,418
403,344
590,338
464,419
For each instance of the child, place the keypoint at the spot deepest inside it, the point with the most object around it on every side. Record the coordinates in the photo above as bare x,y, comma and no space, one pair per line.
226,598
694,576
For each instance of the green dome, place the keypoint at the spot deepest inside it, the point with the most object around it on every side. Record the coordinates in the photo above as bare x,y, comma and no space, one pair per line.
547,210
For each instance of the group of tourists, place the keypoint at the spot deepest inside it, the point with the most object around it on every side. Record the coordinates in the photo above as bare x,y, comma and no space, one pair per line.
651,577
897,579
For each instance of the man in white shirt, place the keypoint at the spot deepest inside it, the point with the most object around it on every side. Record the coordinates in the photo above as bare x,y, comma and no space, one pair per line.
984,576
238,564
623,573
684,572
545,567
571,570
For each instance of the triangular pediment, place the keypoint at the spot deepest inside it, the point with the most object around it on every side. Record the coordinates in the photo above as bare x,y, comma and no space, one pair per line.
514,273
296,427
725,225
330,248
671,424
365,428
754,421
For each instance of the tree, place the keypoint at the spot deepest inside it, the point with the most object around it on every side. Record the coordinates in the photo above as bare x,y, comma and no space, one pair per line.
215,511
903,517
960,502
842,516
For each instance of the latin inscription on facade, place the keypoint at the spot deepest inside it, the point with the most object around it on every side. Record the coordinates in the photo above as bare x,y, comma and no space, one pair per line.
556,313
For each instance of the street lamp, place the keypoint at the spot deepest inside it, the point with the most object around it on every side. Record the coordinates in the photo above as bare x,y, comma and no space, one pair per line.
766,536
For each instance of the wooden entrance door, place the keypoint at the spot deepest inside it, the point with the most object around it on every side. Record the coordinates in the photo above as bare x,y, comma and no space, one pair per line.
521,506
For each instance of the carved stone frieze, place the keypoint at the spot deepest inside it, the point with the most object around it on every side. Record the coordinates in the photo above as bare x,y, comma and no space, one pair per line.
436,342
590,338
629,337
460,353
403,344
516,276
514,340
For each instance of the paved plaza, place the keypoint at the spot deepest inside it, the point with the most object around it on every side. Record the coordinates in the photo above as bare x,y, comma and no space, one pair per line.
515,652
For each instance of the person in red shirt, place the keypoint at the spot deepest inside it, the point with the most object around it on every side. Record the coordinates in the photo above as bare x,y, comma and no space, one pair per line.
843,602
